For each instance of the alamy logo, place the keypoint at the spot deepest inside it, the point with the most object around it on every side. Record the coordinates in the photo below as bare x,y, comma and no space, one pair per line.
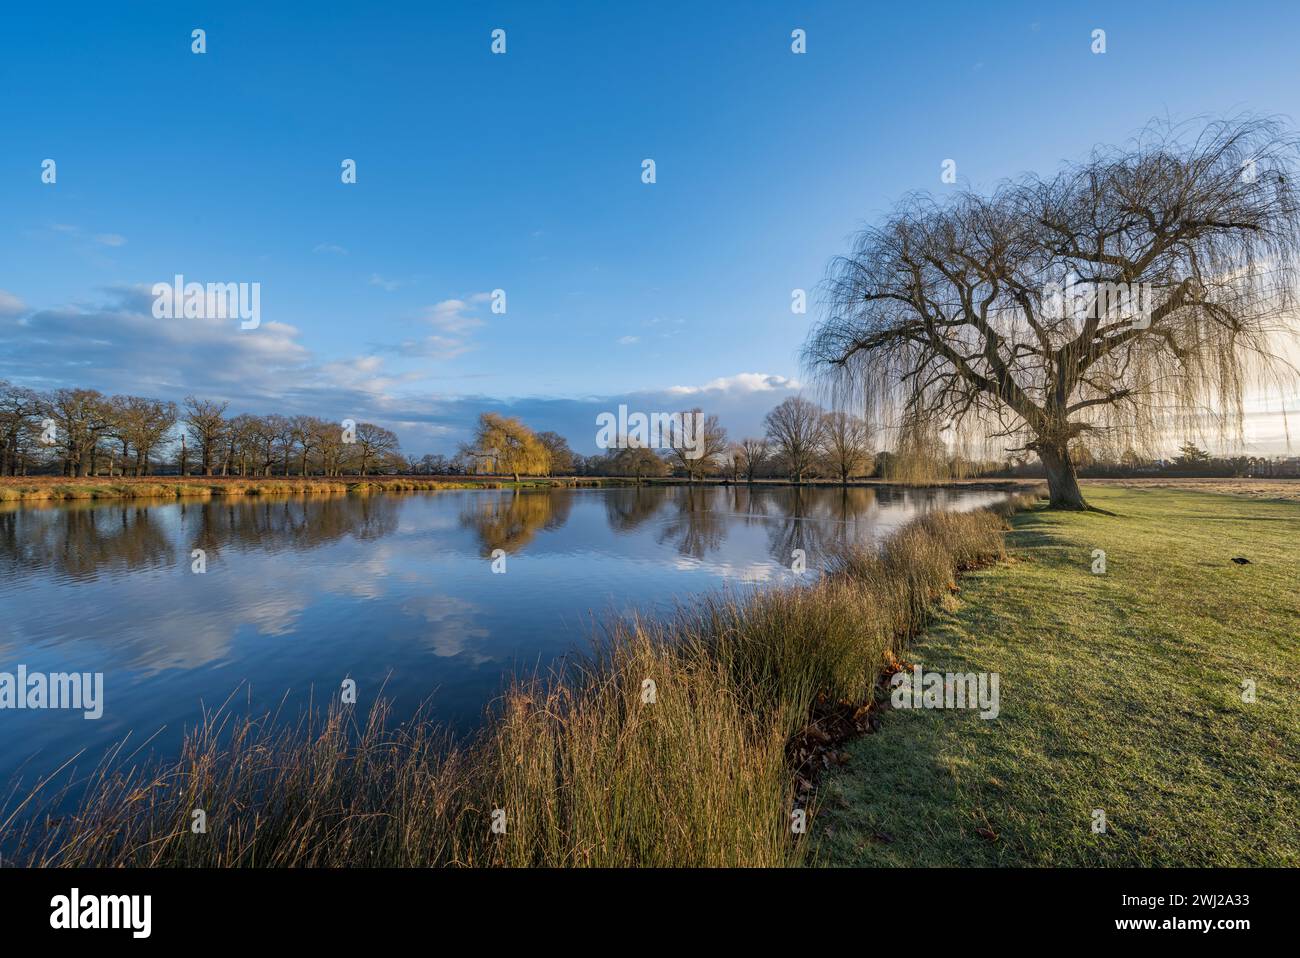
919,689
1082,299
181,300
53,690
656,430
72,911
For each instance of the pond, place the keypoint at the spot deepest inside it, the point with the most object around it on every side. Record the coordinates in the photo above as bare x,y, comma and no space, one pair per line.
397,592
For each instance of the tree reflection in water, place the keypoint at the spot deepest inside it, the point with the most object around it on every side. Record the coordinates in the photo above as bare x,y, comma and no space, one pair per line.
509,519
81,540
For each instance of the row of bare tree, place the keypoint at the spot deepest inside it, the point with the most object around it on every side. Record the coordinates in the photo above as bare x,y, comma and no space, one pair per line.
801,440
82,432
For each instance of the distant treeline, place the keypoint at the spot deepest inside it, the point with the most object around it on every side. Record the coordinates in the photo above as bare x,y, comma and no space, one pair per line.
1190,461
82,432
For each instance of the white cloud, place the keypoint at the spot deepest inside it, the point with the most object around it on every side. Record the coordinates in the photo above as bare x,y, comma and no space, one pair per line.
455,322
332,248
628,340
739,384
110,239
119,346
387,285
453,626
10,305
452,315
434,347
363,374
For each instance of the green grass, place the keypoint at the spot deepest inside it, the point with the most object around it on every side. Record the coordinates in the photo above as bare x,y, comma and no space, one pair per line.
1120,692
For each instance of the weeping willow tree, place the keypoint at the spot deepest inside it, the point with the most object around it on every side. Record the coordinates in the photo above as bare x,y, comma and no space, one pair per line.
1140,293
503,444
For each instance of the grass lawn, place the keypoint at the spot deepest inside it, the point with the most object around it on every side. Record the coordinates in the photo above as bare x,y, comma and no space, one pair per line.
1120,692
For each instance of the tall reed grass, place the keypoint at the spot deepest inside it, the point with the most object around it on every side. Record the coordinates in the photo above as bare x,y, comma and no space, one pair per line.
668,745
46,491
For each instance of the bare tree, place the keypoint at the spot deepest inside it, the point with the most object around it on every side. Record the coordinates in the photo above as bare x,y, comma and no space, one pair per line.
306,432
796,431
19,418
82,417
756,452
733,461
206,421
639,462
374,444
141,425
262,434
847,444
707,442
1021,314
329,444
561,456
243,434
285,435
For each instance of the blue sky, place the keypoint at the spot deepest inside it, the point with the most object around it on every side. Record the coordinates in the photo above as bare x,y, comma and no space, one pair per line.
523,172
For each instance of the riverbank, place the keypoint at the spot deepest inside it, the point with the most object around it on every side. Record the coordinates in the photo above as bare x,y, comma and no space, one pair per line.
51,490
685,742
991,485
1120,692
55,489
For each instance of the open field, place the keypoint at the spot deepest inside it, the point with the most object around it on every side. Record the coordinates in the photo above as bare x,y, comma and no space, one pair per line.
1251,488
1121,691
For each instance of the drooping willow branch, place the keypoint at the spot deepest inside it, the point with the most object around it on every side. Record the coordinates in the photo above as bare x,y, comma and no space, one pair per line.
950,316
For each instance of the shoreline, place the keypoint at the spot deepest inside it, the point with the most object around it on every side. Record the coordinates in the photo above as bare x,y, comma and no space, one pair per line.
54,490
704,765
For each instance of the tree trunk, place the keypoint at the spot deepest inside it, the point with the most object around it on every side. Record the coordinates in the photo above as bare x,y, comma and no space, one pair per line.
1062,480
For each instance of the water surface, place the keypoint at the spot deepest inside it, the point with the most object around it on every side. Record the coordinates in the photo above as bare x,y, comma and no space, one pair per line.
391,590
